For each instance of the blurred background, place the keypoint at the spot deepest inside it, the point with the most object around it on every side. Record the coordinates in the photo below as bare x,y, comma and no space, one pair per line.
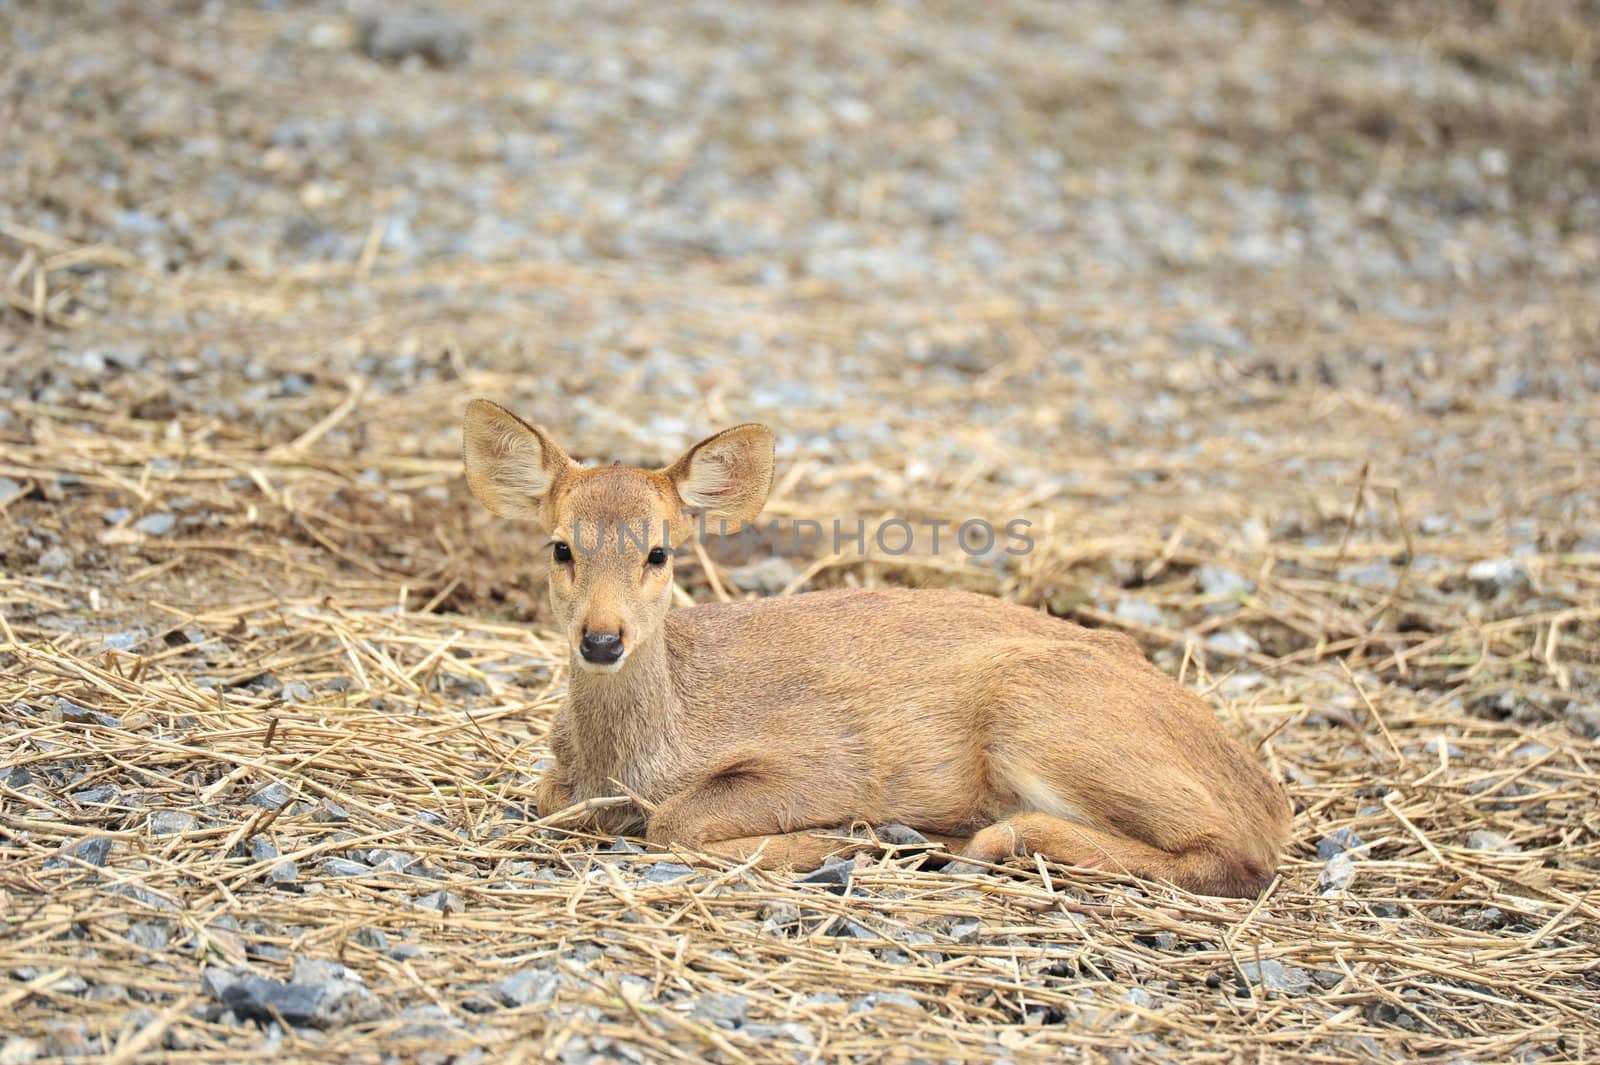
1204,290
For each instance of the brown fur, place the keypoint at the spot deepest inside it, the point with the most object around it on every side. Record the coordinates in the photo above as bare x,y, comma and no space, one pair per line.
765,726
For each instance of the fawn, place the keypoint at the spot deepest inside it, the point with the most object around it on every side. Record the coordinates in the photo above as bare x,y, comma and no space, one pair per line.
760,729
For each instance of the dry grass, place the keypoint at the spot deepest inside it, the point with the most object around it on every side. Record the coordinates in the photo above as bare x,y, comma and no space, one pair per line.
425,726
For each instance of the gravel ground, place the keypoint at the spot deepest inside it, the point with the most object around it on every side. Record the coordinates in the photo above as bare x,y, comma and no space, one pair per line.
1278,320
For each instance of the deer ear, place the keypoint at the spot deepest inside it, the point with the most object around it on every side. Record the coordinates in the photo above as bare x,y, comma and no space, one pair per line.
511,466
727,475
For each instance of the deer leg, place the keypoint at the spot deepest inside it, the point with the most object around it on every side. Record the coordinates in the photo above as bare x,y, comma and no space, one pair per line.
551,793
1206,868
748,806
798,851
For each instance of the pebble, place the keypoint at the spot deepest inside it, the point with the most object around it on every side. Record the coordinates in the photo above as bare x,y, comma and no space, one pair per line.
172,823
663,872
769,576
393,36
1233,643
150,935
1377,575
900,836
835,876
530,987
1337,872
330,1003
20,1050
271,796
1485,840
54,560
1276,976
1497,576
1337,842
443,901
1216,581
345,867
71,711
93,850
159,524
723,1010
880,999
1140,612
1584,719
285,872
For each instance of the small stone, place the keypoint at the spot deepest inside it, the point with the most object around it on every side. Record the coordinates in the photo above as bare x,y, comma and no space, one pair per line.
19,1050
1337,842
71,711
1224,585
271,796
1496,576
1139,612
966,931
68,1041
835,876
123,641
329,1004
1140,998
662,872
393,36
172,823
443,901
530,987
117,515
150,935
1276,976
1437,748
1233,642
101,796
345,867
93,851
1337,873
159,524
1584,719
891,999
900,836
1377,575
392,861
1484,840
55,560
373,938
331,813
1437,524
724,1011
769,576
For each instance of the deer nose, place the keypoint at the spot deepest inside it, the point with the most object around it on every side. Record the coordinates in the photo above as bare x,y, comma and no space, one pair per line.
601,648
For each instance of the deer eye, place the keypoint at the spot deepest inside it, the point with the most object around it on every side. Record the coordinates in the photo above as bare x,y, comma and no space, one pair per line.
562,552
657,557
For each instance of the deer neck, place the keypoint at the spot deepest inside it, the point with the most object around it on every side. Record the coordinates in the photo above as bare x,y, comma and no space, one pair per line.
625,722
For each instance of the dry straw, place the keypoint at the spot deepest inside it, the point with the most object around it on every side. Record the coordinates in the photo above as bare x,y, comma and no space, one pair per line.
300,657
